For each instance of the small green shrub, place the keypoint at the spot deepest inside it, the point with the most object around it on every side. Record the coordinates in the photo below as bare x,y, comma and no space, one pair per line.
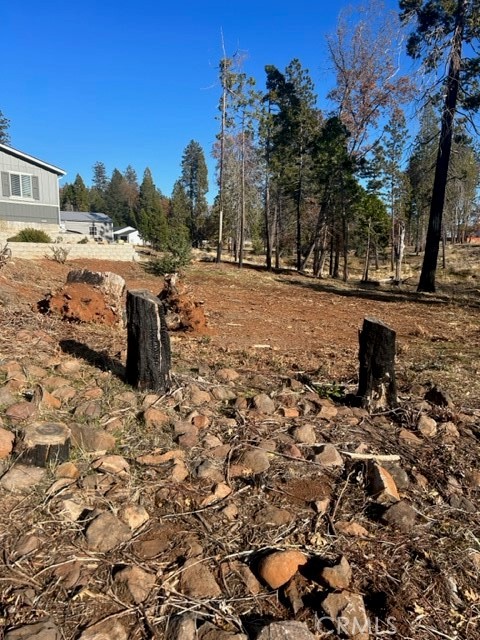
83,241
177,256
30,235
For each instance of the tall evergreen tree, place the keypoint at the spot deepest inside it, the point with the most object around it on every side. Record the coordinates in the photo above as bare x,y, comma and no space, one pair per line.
441,32
4,129
152,219
75,196
99,188
195,182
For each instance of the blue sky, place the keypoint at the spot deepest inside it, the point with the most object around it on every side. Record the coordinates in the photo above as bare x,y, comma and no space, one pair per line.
134,82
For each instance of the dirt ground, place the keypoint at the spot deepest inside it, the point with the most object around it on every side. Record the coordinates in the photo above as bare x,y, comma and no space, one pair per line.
288,322
293,339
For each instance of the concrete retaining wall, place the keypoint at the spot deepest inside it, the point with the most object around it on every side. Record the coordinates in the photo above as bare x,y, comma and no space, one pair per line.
36,251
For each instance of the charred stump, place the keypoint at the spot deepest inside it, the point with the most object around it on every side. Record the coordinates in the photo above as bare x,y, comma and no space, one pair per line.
45,443
377,388
148,343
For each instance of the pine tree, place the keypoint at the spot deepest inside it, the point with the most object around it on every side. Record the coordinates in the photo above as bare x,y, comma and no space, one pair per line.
99,188
115,203
4,129
441,32
195,182
152,220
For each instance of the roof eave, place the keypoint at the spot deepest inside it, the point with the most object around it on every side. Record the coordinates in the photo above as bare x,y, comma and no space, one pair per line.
36,161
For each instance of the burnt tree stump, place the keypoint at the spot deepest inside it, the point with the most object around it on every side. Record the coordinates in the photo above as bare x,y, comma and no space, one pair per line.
45,443
377,387
148,343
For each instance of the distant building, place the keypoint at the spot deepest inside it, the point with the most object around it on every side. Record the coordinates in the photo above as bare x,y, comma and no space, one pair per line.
129,235
29,194
98,226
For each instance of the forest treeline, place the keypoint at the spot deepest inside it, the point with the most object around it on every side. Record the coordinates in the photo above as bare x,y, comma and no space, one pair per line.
312,186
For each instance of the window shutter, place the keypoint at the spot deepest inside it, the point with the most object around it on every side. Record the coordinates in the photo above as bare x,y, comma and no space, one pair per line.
35,188
5,184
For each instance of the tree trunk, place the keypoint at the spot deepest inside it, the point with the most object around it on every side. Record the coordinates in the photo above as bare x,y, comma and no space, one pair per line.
242,198
399,250
45,443
429,266
148,343
377,385
367,253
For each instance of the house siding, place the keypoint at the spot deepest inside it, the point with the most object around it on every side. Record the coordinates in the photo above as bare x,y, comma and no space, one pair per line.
45,209
104,230
28,213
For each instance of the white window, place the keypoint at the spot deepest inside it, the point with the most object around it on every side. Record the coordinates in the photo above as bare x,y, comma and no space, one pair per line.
21,185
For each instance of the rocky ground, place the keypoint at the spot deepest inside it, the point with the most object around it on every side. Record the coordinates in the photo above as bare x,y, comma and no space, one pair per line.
249,501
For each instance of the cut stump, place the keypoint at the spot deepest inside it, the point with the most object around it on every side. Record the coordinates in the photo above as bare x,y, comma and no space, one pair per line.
148,343
45,443
377,386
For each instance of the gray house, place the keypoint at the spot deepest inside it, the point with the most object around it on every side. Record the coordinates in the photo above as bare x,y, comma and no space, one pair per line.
29,194
98,226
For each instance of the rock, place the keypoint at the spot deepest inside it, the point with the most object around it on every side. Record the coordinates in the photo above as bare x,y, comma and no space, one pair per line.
27,543
409,437
114,464
329,456
279,567
223,394
187,434
182,627
68,367
227,375
338,576
346,611
200,421
289,412
106,532
251,462
427,426
220,491
399,475
21,411
401,516
449,432
154,459
197,581
211,441
111,629
208,631
199,397
88,438
352,529
90,409
134,515
437,396
381,485
154,418
247,576
473,479
305,434
328,411
273,516
64,394
72,510
287,630
134,583
230,511
54,383
45,630
67,470
94,393
462,503
264,404
207,469
321,506
179,471
7,439
22,478
292,450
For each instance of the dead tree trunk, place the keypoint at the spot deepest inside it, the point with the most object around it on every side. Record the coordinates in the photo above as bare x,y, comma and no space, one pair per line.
45,443
148,343
377,386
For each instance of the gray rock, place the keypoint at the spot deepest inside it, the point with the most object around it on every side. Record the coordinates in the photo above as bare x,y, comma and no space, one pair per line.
401,516
134,583
106,532
346,611
182,627
198,581
305,434
264,404
328,456
45,630
22,478
88,438
106,630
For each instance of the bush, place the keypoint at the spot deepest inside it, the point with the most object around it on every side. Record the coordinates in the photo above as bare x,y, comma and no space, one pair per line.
30,235
177,256
83,241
